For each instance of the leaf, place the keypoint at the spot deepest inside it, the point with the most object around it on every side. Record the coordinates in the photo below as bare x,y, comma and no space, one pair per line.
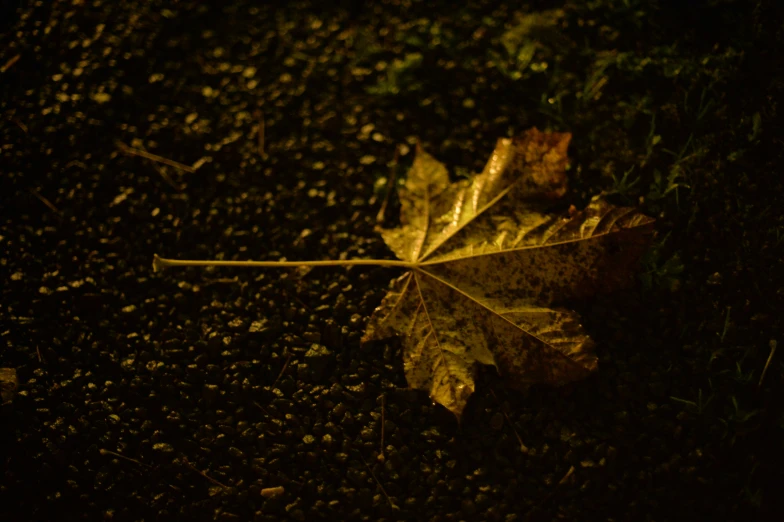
487,269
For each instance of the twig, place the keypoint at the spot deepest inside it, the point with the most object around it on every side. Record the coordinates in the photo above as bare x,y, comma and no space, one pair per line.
550,494
268,414
185,461
391,504
38,351
285,365
259,406
167,178
772,345
10,63
726,324
523,447
153,157
390,185
297,299
115,454
566,477
46,202
20,124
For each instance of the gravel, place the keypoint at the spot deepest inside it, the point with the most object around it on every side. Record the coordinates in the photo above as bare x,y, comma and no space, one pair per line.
183,395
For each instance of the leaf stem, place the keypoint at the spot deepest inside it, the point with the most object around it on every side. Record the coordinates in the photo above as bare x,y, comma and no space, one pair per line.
159,263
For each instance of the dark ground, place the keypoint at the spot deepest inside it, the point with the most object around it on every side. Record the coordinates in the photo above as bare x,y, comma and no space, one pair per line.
179,371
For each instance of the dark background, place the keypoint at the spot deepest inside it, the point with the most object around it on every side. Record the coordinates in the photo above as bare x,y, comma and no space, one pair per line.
179,396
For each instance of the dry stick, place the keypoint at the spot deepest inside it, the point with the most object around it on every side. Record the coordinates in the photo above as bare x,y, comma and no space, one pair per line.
153,157
46,202
10,63
167,178
259,406
772,345
550,494
185,461
566,477
523,447
392,504
115,454
20,124
271,432
390,184
285,365
297,299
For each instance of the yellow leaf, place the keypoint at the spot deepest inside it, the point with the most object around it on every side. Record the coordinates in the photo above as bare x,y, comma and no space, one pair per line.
487,268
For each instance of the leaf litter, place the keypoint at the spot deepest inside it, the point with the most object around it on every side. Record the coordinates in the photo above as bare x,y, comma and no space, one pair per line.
487,267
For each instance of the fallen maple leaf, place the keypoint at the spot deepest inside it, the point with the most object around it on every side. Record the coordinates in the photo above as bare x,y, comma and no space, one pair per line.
486,265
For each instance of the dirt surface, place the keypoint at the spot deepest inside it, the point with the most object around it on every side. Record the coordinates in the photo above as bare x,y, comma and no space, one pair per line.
185,395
